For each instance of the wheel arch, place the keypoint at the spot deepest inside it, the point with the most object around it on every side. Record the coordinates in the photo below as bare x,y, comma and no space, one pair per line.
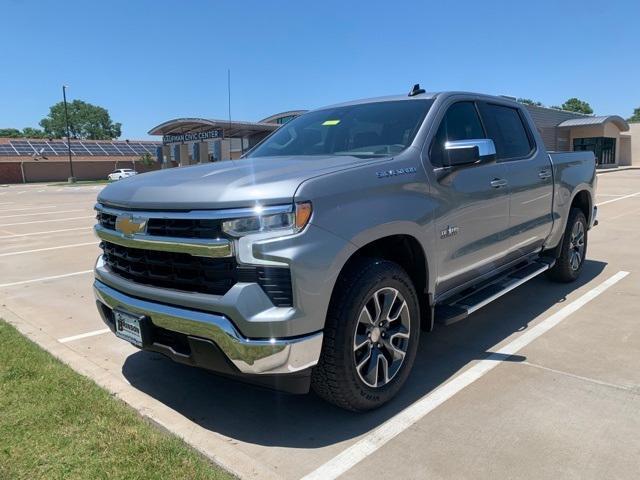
406,251
582,200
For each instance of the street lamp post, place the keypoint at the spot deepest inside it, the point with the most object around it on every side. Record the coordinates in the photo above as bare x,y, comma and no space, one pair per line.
71,179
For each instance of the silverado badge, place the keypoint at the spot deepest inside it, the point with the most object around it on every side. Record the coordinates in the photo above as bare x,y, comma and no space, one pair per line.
450,231
394,172
130,225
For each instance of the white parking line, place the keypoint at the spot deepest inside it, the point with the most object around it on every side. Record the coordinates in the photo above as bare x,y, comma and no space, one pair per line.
83,335
619,198
42,279
48,248
42,213
45,233
44,221
412,414
38,206
29,208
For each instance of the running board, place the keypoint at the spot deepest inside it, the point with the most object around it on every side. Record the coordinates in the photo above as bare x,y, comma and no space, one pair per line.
465,304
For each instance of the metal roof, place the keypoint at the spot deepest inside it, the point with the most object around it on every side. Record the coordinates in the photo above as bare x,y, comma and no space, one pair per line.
601,120
194,125
288,113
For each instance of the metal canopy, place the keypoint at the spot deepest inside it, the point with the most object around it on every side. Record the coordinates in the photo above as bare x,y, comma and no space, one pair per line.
589,121
232,129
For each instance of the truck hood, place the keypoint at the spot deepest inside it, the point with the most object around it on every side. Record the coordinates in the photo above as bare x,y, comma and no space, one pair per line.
228,184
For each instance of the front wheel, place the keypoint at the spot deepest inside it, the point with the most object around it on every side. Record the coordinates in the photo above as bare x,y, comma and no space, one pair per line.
573,250
370,338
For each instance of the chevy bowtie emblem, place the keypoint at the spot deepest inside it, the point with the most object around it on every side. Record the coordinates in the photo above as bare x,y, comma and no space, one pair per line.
130,225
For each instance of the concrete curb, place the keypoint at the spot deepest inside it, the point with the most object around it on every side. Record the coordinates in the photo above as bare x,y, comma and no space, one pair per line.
217,448
618,169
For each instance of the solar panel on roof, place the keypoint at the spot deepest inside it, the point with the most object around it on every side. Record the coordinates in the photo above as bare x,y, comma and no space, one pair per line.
7,150
23,147
124,148
42,147
78,148
58,147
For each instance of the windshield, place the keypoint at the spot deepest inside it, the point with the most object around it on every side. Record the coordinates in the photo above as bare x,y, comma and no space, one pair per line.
365,130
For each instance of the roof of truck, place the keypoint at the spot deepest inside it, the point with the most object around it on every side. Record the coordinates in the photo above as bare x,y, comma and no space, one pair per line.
388,98
421,96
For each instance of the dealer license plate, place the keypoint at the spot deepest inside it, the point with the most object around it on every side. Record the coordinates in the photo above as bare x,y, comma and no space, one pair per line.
128,327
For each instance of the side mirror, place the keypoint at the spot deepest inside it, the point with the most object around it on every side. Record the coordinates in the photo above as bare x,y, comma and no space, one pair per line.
466,152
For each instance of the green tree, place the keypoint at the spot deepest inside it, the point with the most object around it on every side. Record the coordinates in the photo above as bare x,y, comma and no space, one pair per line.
10,132
528,101
147,159
86,121
635,117
577,105
28,132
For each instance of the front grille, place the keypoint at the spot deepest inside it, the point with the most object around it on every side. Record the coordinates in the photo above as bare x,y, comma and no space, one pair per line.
180,271
106,220
184,228
171,227
172,270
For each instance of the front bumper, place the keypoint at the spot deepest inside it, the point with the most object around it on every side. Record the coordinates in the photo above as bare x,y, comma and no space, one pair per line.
206,335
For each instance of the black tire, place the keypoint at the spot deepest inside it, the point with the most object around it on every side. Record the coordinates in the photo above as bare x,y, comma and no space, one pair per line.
336,377
566,268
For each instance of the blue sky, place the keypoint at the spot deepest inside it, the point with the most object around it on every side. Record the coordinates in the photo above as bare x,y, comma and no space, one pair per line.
148,61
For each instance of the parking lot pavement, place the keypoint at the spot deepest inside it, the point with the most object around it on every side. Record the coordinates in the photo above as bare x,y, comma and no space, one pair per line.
499,394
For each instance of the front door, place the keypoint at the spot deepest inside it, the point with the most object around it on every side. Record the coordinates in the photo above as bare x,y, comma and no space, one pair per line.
472,215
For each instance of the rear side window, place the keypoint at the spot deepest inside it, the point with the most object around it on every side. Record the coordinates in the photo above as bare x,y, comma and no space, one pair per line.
505,127
461,122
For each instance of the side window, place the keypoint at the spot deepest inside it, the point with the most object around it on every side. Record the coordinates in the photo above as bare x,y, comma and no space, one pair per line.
461,122
506,129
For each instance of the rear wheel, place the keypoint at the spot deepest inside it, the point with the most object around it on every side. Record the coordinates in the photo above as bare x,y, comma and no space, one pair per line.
371,337
573,250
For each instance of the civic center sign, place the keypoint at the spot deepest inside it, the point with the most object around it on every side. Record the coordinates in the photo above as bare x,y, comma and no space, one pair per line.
192,137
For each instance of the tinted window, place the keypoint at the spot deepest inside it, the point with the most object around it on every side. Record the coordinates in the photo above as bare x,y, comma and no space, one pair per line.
364,130
504,126
461,122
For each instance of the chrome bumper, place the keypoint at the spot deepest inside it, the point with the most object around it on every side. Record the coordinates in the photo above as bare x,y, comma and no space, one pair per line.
269,356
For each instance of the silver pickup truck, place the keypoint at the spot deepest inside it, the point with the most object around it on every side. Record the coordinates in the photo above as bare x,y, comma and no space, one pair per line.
318,258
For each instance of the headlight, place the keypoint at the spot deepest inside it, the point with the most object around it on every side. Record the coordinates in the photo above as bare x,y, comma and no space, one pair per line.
287,223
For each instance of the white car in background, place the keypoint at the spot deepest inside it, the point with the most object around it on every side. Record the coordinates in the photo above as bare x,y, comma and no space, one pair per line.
120,174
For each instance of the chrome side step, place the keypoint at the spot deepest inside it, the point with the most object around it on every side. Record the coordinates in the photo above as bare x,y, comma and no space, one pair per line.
461,306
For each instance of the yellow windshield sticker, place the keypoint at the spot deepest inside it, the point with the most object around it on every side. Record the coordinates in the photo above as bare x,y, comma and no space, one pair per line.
330,123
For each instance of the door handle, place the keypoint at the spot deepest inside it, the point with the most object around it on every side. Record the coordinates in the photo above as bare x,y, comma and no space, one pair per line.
544,174
498,182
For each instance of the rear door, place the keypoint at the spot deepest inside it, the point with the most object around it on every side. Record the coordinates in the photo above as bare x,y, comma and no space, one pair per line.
472,216
528,173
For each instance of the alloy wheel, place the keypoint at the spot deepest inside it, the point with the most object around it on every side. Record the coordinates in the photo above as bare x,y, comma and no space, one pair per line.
381,337
576,246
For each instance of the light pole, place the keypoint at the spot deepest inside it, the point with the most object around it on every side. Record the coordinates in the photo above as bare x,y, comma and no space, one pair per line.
71,179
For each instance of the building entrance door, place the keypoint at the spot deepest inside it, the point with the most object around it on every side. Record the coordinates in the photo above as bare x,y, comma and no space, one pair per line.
604,148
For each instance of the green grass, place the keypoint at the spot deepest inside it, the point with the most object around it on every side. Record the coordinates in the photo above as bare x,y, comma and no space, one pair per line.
57,424
79,183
